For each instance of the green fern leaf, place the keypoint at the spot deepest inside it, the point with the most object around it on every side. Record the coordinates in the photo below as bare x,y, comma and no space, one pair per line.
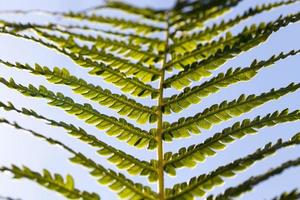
177,103
198,186
188,157
129,85
140,28
104,176
222,112
122,104
292,195
126,49
189,42
254,180
53,182
126,188
113,126
123,161
147,13
196,17
153,43
135,53
249,38
204,6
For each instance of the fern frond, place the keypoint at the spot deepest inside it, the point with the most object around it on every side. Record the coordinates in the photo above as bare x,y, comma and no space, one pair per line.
121,103
117,157
248,185
53,182
147,13
126,49
198,186
135,53
129,85
196,17
292,195
177,103
188,157
116,182
207,49
125,188
216,53
248,38
140,28
113,126
193,6
152,43
222,112
189,42
138,70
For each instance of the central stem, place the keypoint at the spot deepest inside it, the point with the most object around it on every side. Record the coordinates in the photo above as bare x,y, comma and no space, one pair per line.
160,151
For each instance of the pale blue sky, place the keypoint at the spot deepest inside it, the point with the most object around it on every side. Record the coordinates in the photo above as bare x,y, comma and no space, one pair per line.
21,149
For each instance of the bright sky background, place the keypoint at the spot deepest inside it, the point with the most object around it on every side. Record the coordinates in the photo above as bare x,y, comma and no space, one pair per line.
22,149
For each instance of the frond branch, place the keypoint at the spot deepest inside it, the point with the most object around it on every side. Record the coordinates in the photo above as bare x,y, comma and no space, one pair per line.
147,13
154,43
292,195
140,28
222,112
104,176
177,103
189,156
57,184
130,85
189,42
117,127
214,55
121,103
248,185
199,185
127,49
118,157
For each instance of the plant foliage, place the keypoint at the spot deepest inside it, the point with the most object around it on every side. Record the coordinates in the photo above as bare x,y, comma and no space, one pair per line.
144,57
